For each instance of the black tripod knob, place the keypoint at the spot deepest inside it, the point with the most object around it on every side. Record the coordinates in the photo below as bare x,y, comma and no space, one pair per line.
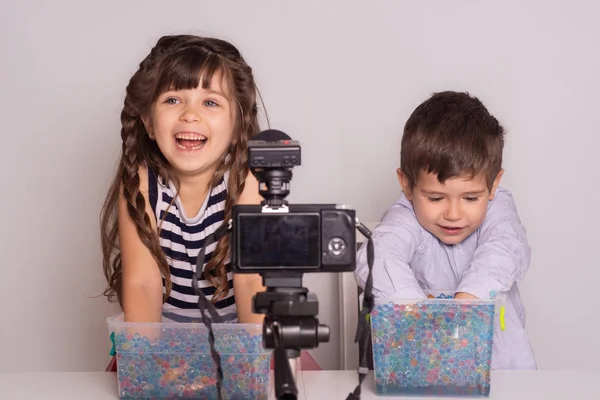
322,334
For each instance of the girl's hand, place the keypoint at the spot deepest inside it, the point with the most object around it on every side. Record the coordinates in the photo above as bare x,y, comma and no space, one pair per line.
245,287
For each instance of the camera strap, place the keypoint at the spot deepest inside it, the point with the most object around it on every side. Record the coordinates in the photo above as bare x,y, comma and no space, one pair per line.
363,328
207,308
204,305
208,312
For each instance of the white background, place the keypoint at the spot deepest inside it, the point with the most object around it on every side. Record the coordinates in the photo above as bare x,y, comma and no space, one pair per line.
340,76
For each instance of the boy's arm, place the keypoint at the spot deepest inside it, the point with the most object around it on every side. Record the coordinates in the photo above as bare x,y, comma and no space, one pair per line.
396,239
503,253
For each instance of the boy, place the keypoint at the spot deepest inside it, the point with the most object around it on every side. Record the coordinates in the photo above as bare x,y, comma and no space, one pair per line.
454,227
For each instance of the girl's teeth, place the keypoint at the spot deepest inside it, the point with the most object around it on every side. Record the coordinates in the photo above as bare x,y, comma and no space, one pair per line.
186,143
190,137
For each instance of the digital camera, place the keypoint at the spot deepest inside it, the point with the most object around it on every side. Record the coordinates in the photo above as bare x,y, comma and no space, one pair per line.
277,236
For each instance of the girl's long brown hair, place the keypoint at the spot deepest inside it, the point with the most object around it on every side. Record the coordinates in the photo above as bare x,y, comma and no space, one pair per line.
176,62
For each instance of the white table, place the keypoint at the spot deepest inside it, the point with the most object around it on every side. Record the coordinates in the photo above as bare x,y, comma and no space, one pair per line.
73,385
330,385
506,385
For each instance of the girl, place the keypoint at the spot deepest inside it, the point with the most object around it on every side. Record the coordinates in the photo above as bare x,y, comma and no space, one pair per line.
188,114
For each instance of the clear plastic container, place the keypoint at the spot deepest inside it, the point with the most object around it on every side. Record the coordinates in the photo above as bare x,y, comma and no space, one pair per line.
172,359
434,347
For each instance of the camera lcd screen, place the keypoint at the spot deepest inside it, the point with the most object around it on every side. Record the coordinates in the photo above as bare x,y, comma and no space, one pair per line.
271,240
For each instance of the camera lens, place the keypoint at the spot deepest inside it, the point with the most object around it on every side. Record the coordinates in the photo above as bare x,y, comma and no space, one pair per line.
337,246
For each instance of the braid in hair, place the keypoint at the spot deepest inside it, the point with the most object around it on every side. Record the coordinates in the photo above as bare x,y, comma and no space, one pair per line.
109,233
215,268
236,162
132,133
138,150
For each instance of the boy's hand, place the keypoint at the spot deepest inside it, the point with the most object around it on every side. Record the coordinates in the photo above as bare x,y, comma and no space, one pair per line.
464,296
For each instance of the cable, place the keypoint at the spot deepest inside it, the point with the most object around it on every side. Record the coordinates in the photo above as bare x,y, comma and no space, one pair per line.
207,309
363,330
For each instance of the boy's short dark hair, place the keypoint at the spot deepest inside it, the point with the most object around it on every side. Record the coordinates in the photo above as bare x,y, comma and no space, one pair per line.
452,134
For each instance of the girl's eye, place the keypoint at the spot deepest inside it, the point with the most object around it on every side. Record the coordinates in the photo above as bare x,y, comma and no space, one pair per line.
435,199
171,100
471,198
210,103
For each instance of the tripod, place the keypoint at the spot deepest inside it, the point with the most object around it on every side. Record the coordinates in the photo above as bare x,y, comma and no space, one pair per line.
289,325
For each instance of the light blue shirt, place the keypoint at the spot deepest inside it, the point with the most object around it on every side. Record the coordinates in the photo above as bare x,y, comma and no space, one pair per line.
494,258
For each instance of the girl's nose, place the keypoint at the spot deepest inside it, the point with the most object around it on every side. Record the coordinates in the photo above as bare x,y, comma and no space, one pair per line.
189,114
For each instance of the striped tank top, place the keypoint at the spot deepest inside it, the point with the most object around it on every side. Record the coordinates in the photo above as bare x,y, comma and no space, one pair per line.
182,237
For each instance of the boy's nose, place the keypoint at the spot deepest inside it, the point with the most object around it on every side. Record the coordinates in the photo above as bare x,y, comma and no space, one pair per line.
452,212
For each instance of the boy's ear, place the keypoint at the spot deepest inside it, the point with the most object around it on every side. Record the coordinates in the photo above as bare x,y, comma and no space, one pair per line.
404,184
148,125
496,183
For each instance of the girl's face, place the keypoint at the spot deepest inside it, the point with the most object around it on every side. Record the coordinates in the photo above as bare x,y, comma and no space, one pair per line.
193,127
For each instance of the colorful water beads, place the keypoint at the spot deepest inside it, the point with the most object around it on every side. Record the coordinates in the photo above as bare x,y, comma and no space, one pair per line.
434,347
178,364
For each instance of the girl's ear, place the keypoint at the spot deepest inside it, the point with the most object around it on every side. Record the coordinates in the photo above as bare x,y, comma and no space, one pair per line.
147,121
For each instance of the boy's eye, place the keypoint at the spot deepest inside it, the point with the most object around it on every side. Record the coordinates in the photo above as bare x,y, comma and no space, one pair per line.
210,103
435,199
471,198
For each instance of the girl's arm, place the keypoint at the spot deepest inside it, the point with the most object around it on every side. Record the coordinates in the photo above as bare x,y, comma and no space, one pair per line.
245,286
141,281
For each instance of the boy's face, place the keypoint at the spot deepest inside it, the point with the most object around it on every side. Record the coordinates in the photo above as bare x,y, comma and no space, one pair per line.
451,211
